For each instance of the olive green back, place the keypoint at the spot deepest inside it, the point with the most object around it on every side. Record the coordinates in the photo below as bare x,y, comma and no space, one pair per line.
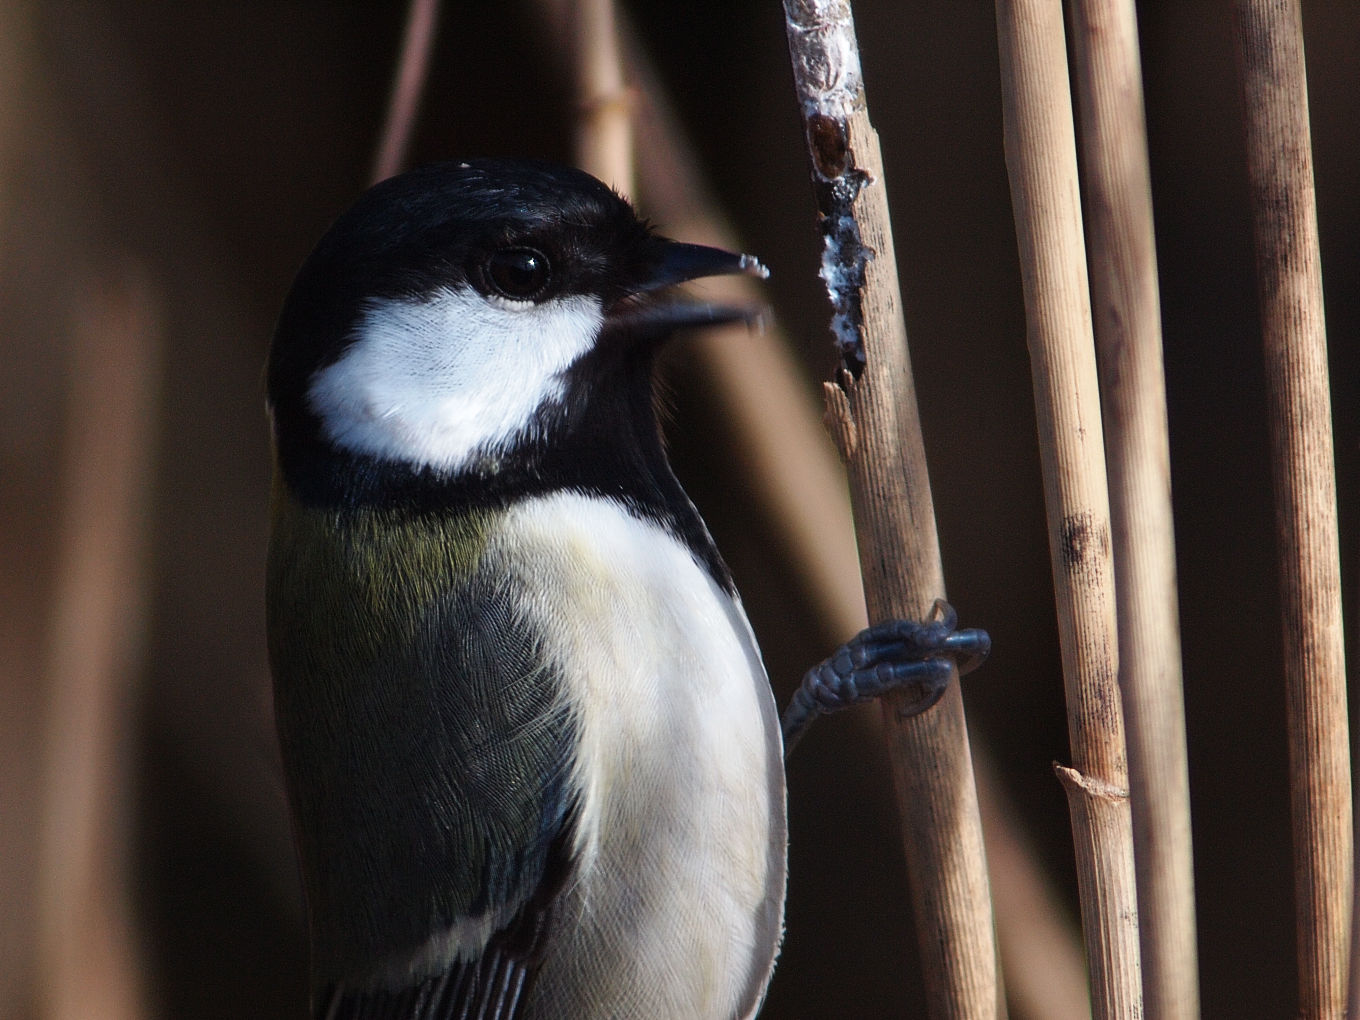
410,694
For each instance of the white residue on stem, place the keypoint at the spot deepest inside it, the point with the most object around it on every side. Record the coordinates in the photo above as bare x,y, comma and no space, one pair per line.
843,260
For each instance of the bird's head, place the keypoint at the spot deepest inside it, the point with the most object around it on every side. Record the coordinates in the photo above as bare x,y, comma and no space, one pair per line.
462,312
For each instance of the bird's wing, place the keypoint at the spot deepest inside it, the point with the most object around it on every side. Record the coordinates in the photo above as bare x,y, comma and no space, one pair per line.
486,989
489,986
441,857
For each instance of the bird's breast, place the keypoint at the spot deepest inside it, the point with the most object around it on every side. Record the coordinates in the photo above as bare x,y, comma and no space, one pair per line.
678,776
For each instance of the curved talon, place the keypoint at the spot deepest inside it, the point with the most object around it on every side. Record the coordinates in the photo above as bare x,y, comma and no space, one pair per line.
885,657
932,696
943,612
970,648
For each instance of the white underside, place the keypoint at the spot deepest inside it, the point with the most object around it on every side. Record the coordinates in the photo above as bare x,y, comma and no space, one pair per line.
680,832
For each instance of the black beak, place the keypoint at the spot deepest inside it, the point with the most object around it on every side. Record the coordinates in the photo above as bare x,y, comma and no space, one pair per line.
679,263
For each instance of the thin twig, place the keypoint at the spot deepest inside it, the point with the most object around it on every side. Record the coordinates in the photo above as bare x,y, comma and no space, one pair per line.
1041,159
407,88
1129,342
872,407
1289,271
87,949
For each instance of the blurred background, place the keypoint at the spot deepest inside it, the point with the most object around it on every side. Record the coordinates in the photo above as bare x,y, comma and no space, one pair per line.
164,168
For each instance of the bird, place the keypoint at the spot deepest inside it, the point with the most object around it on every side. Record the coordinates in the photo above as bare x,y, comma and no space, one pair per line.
533,760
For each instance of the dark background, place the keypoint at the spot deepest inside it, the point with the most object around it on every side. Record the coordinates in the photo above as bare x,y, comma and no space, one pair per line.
208,144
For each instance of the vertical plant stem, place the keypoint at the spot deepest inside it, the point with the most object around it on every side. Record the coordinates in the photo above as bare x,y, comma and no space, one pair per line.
1289,274
872,406
87,952
1041,159
407,87
1128,332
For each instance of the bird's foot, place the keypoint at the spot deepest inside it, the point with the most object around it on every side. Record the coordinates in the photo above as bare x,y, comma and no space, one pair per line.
895,655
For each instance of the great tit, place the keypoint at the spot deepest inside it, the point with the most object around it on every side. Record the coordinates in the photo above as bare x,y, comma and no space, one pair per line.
533,760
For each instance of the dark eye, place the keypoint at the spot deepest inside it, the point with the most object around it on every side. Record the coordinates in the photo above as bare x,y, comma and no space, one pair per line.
520,274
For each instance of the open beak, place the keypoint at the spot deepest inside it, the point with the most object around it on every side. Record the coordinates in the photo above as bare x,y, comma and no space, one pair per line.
680,263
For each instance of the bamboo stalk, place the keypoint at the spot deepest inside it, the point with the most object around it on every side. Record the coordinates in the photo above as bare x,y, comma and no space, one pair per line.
1128,333
874,418
1288,266
408,86
86,941
1041,159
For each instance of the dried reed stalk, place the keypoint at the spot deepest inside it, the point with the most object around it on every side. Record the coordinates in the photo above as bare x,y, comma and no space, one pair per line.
1041,159
874,419
1128,333
1288,267
86,942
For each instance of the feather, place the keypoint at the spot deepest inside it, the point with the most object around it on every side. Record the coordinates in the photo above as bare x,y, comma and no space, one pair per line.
490,986
484,989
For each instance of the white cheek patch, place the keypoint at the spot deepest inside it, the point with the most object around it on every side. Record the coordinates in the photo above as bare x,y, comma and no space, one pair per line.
446,379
